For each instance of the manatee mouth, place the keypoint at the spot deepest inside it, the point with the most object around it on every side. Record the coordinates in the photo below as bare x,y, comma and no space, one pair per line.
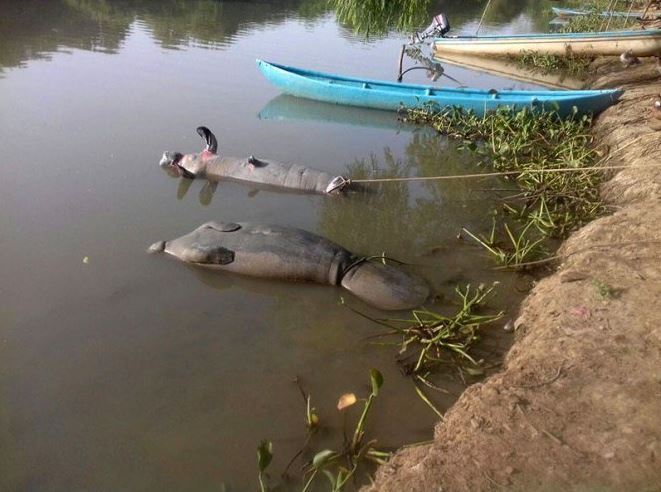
170,164
170,159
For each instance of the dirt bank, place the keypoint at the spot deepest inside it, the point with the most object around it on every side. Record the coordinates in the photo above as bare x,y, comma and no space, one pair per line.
578,403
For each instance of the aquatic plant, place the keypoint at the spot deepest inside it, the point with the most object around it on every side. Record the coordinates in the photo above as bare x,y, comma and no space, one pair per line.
528,145
427,335
264,457
519,247
338,466
429,339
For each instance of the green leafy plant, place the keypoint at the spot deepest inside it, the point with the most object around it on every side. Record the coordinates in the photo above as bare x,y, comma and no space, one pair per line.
569,64
521,248
264,457
340,466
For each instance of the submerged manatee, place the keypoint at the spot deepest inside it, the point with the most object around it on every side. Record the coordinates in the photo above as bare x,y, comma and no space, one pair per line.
287,253
208,164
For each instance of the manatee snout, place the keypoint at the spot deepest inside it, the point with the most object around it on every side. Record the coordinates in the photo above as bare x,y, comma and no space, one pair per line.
157,247
170,163
170,159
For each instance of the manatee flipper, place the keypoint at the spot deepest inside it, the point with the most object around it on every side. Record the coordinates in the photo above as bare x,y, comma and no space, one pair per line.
209,138
183,187
255,162
207,191
384,286
213,255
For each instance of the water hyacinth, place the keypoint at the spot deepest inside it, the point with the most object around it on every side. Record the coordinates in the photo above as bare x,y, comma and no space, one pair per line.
529,143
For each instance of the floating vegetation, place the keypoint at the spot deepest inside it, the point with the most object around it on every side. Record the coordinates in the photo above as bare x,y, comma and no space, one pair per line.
338,466
530,144
518,248
569,64
430,339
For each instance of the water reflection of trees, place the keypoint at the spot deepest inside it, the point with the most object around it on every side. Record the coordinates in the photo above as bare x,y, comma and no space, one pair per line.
32,29
376,18
405,219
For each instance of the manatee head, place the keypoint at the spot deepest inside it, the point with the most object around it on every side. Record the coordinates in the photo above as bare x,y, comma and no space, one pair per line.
177,164
203,245
157,247
190,166
170,163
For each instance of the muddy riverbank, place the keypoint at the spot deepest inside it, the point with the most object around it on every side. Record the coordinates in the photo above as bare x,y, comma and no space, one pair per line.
576,404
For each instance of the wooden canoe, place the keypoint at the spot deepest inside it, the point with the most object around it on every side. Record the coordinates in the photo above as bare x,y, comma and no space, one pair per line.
640,42
379,94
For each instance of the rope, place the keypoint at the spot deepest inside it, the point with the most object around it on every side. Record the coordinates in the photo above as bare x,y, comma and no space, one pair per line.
598,167
482,18
607,21
503,173
647,7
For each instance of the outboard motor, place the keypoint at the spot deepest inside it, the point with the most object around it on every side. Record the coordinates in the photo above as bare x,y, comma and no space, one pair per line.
439,27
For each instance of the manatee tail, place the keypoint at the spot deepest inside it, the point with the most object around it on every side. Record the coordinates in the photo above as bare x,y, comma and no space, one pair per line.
385,287
209,138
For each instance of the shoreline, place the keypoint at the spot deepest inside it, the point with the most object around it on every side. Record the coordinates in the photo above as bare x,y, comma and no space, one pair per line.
576,404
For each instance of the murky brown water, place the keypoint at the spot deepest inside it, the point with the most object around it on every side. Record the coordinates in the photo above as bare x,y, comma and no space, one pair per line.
132,372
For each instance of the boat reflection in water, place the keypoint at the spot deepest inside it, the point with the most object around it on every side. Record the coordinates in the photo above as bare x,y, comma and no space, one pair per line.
285,107
503,67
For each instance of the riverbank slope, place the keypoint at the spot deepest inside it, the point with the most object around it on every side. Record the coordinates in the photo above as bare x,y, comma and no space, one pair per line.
577,404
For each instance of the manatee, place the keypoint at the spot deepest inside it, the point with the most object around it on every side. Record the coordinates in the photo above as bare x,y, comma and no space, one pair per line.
209,164
287,253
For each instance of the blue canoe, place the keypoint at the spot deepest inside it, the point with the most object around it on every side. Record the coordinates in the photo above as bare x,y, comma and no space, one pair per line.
393,96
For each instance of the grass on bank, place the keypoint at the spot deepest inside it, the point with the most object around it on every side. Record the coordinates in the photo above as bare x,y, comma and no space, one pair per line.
572,64
568,65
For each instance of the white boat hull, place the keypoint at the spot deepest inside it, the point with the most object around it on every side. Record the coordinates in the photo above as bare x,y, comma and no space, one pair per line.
640,46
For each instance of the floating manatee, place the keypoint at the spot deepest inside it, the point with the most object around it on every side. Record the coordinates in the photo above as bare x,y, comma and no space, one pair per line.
287,253
208,164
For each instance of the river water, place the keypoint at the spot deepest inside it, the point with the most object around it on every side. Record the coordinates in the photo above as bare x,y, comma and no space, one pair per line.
124,371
